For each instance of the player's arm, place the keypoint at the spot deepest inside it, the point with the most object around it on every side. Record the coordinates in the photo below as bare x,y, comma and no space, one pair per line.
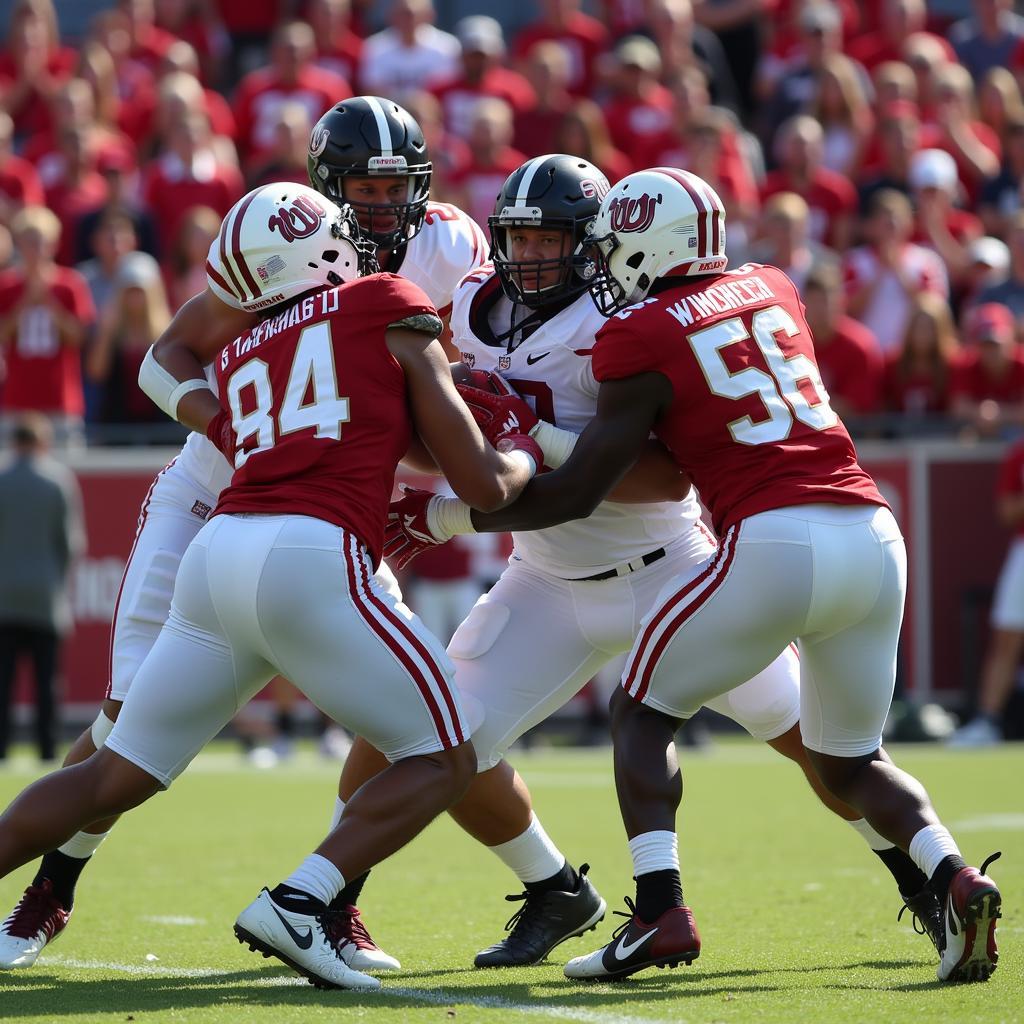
480,476
173,373
627,409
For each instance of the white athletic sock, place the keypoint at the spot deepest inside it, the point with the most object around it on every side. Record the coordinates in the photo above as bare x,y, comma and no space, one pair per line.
930,846
654,851
531,855
339,810
869,835
82,845
317,876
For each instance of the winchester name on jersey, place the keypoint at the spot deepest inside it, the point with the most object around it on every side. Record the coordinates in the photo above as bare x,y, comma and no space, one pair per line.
750,421
318,404
552,370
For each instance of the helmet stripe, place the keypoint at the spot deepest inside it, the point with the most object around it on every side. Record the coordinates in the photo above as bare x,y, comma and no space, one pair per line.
235,288
716,218
383,128
526,180
211,271
682,178
236,248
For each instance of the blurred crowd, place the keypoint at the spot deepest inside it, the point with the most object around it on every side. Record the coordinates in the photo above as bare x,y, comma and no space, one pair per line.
874,151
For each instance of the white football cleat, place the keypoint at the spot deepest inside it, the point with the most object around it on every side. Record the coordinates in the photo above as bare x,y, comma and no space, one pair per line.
300,941
36,921
347,933
978,732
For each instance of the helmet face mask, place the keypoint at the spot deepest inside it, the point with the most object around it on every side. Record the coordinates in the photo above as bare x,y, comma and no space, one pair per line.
653,222
371,137
557,193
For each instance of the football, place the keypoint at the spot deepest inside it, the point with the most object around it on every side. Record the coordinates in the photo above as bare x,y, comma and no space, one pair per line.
462,374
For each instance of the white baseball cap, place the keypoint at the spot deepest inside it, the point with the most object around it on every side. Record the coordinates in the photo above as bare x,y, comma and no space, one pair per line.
934,168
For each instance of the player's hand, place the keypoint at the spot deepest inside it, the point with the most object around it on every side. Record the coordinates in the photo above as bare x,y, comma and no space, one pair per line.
522,443
498,415
407,533
220,431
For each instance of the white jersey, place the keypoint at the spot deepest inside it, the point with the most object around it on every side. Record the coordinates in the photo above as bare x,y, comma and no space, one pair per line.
552,370
449,244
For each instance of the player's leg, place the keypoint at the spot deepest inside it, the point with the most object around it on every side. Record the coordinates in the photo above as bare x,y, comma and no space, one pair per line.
350,631
709,632
1002,658
848,655
768,707
166,528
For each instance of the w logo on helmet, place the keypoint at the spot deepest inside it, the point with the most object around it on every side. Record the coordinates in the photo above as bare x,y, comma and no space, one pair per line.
627,214
299,220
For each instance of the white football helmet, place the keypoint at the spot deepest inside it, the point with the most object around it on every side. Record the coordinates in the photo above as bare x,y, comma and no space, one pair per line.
282,240
652,222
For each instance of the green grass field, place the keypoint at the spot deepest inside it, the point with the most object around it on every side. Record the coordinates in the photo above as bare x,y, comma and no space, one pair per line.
798,918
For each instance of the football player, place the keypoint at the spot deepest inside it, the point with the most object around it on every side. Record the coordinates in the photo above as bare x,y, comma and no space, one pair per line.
574,595
318,403
370,153
720,366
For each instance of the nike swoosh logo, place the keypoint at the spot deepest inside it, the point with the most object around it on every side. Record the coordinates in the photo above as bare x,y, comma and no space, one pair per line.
626,949
951,916
302,941
530,360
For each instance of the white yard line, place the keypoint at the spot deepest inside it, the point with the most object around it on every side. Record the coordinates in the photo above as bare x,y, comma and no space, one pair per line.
435,997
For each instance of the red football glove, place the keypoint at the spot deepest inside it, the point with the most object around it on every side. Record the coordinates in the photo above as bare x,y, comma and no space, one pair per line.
406,533
498,415
522,443
220,431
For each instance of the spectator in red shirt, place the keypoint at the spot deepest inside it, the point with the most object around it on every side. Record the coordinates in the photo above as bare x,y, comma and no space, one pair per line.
918,373
177,90
894,82
926,57
448,155
188,174
897,140
548,71
79,190
846,352
884,275
19,182
185,268
149,42
286,161
584,132
987,392
940,224
830,196
584,38
199,25
956,128
338,49
292,75
110,30
492,159
33,66
135,316
74,107
842,106
642,109
481,74
900,19
784,239
45,313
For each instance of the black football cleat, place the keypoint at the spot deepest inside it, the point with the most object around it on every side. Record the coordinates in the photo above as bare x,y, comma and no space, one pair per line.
543,921
926,909
636,945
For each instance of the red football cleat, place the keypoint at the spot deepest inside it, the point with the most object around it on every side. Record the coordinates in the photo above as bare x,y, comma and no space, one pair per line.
970,913
636,945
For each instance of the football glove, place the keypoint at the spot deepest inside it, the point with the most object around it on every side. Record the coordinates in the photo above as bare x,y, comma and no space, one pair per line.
408,532
498,415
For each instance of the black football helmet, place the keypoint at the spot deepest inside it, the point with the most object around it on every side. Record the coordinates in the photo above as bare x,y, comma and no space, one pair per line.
366,137
553,191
